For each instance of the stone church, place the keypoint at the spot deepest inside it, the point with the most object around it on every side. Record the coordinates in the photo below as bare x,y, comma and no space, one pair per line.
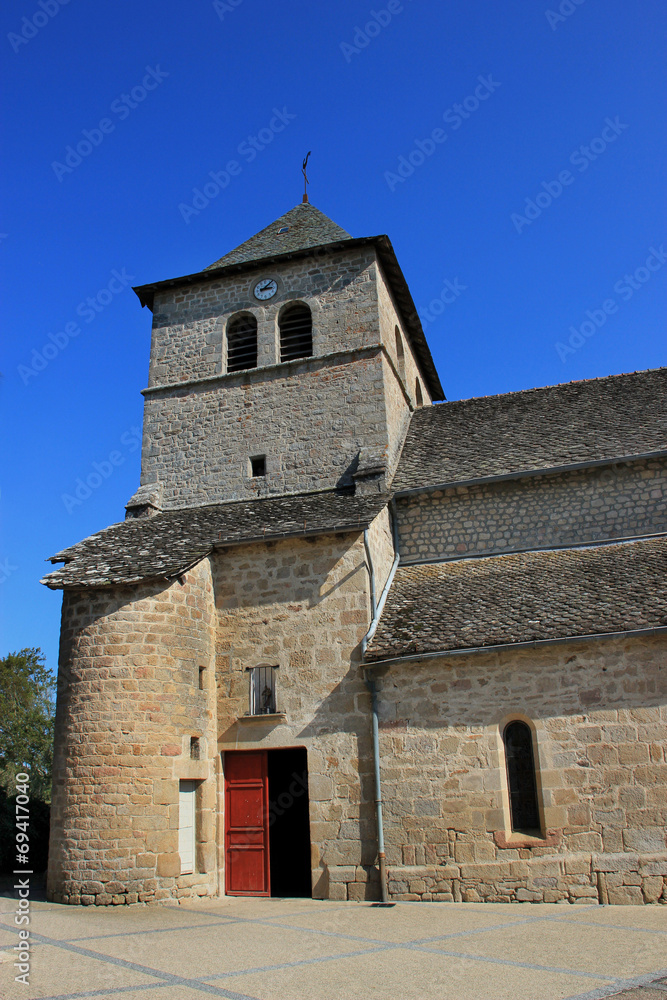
351,644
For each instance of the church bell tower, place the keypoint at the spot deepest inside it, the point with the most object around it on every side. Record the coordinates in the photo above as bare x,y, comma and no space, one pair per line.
290,365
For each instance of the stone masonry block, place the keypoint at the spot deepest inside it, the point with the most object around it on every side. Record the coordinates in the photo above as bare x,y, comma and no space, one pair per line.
342,873
615,862
626,895
169,865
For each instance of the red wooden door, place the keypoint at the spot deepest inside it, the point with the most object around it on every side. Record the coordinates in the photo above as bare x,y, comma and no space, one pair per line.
247,823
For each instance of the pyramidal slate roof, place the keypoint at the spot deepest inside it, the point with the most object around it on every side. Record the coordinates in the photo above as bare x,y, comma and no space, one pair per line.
301,228
523,597
559,425
305,228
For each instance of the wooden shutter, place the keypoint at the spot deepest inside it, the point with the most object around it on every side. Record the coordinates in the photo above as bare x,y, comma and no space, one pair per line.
296,333
186,826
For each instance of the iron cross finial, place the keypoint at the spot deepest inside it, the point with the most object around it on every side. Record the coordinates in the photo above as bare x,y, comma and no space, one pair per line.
305,178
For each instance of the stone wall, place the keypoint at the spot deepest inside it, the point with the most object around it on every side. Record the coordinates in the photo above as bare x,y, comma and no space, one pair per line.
580,506
128,703
189,323
381,544
598,711
310,418
303,605
407,368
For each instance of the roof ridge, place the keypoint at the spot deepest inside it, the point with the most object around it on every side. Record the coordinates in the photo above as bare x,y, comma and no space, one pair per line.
543,388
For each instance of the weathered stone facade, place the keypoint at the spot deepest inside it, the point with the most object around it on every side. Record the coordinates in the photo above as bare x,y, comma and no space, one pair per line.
340,570
598,714
352,394
129,701
622,500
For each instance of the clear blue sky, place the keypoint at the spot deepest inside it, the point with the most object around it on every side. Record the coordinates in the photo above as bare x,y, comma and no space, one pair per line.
199,80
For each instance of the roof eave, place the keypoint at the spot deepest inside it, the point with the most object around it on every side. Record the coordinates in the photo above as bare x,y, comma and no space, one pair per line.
520,644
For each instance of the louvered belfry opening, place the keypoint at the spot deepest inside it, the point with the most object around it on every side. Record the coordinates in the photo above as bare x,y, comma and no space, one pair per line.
524,810
296,333
242,343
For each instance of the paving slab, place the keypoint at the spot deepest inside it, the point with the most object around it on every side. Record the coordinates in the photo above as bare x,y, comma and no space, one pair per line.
261,949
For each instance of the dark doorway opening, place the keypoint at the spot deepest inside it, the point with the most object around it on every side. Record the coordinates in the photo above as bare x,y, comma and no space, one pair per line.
289,823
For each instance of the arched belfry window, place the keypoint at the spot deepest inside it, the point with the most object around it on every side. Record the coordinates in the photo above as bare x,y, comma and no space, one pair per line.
521,784
241,343
296,332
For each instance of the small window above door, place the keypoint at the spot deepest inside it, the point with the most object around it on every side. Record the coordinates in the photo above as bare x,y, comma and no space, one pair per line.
262,690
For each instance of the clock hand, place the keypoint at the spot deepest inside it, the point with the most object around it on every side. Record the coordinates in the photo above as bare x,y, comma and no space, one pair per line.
265,286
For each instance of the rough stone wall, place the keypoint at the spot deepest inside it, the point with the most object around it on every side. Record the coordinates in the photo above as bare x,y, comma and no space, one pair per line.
598,711
128,703
381,544
303,605
578,506
407,369
399,412
310,418
189,323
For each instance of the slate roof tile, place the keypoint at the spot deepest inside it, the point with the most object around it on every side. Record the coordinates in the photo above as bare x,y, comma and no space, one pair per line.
166,544
306,227
523,597
591,420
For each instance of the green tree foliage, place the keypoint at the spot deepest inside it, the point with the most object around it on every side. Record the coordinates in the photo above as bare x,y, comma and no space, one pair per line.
26,721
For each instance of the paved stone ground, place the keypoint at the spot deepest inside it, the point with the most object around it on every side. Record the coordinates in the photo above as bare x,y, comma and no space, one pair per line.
265,949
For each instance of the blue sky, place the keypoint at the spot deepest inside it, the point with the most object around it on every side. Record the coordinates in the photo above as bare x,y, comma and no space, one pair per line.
539,199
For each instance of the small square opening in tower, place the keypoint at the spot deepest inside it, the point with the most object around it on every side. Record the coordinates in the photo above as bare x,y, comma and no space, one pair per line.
257,465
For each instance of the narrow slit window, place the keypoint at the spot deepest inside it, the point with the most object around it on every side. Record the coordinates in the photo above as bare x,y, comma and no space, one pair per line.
262,690
419,398
202,678
400,353
241,343
194,748
296,333
521,783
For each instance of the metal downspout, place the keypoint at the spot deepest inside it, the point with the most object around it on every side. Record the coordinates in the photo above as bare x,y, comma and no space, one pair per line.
370,684
376,608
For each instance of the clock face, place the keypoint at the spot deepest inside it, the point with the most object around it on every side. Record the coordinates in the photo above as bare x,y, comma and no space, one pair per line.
265,289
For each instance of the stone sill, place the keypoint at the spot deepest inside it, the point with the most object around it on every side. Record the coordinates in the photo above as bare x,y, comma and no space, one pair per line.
273,718
262,371
519,840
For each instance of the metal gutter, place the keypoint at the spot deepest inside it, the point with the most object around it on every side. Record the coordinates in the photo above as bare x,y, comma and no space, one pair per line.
371,574
549,470
533,644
